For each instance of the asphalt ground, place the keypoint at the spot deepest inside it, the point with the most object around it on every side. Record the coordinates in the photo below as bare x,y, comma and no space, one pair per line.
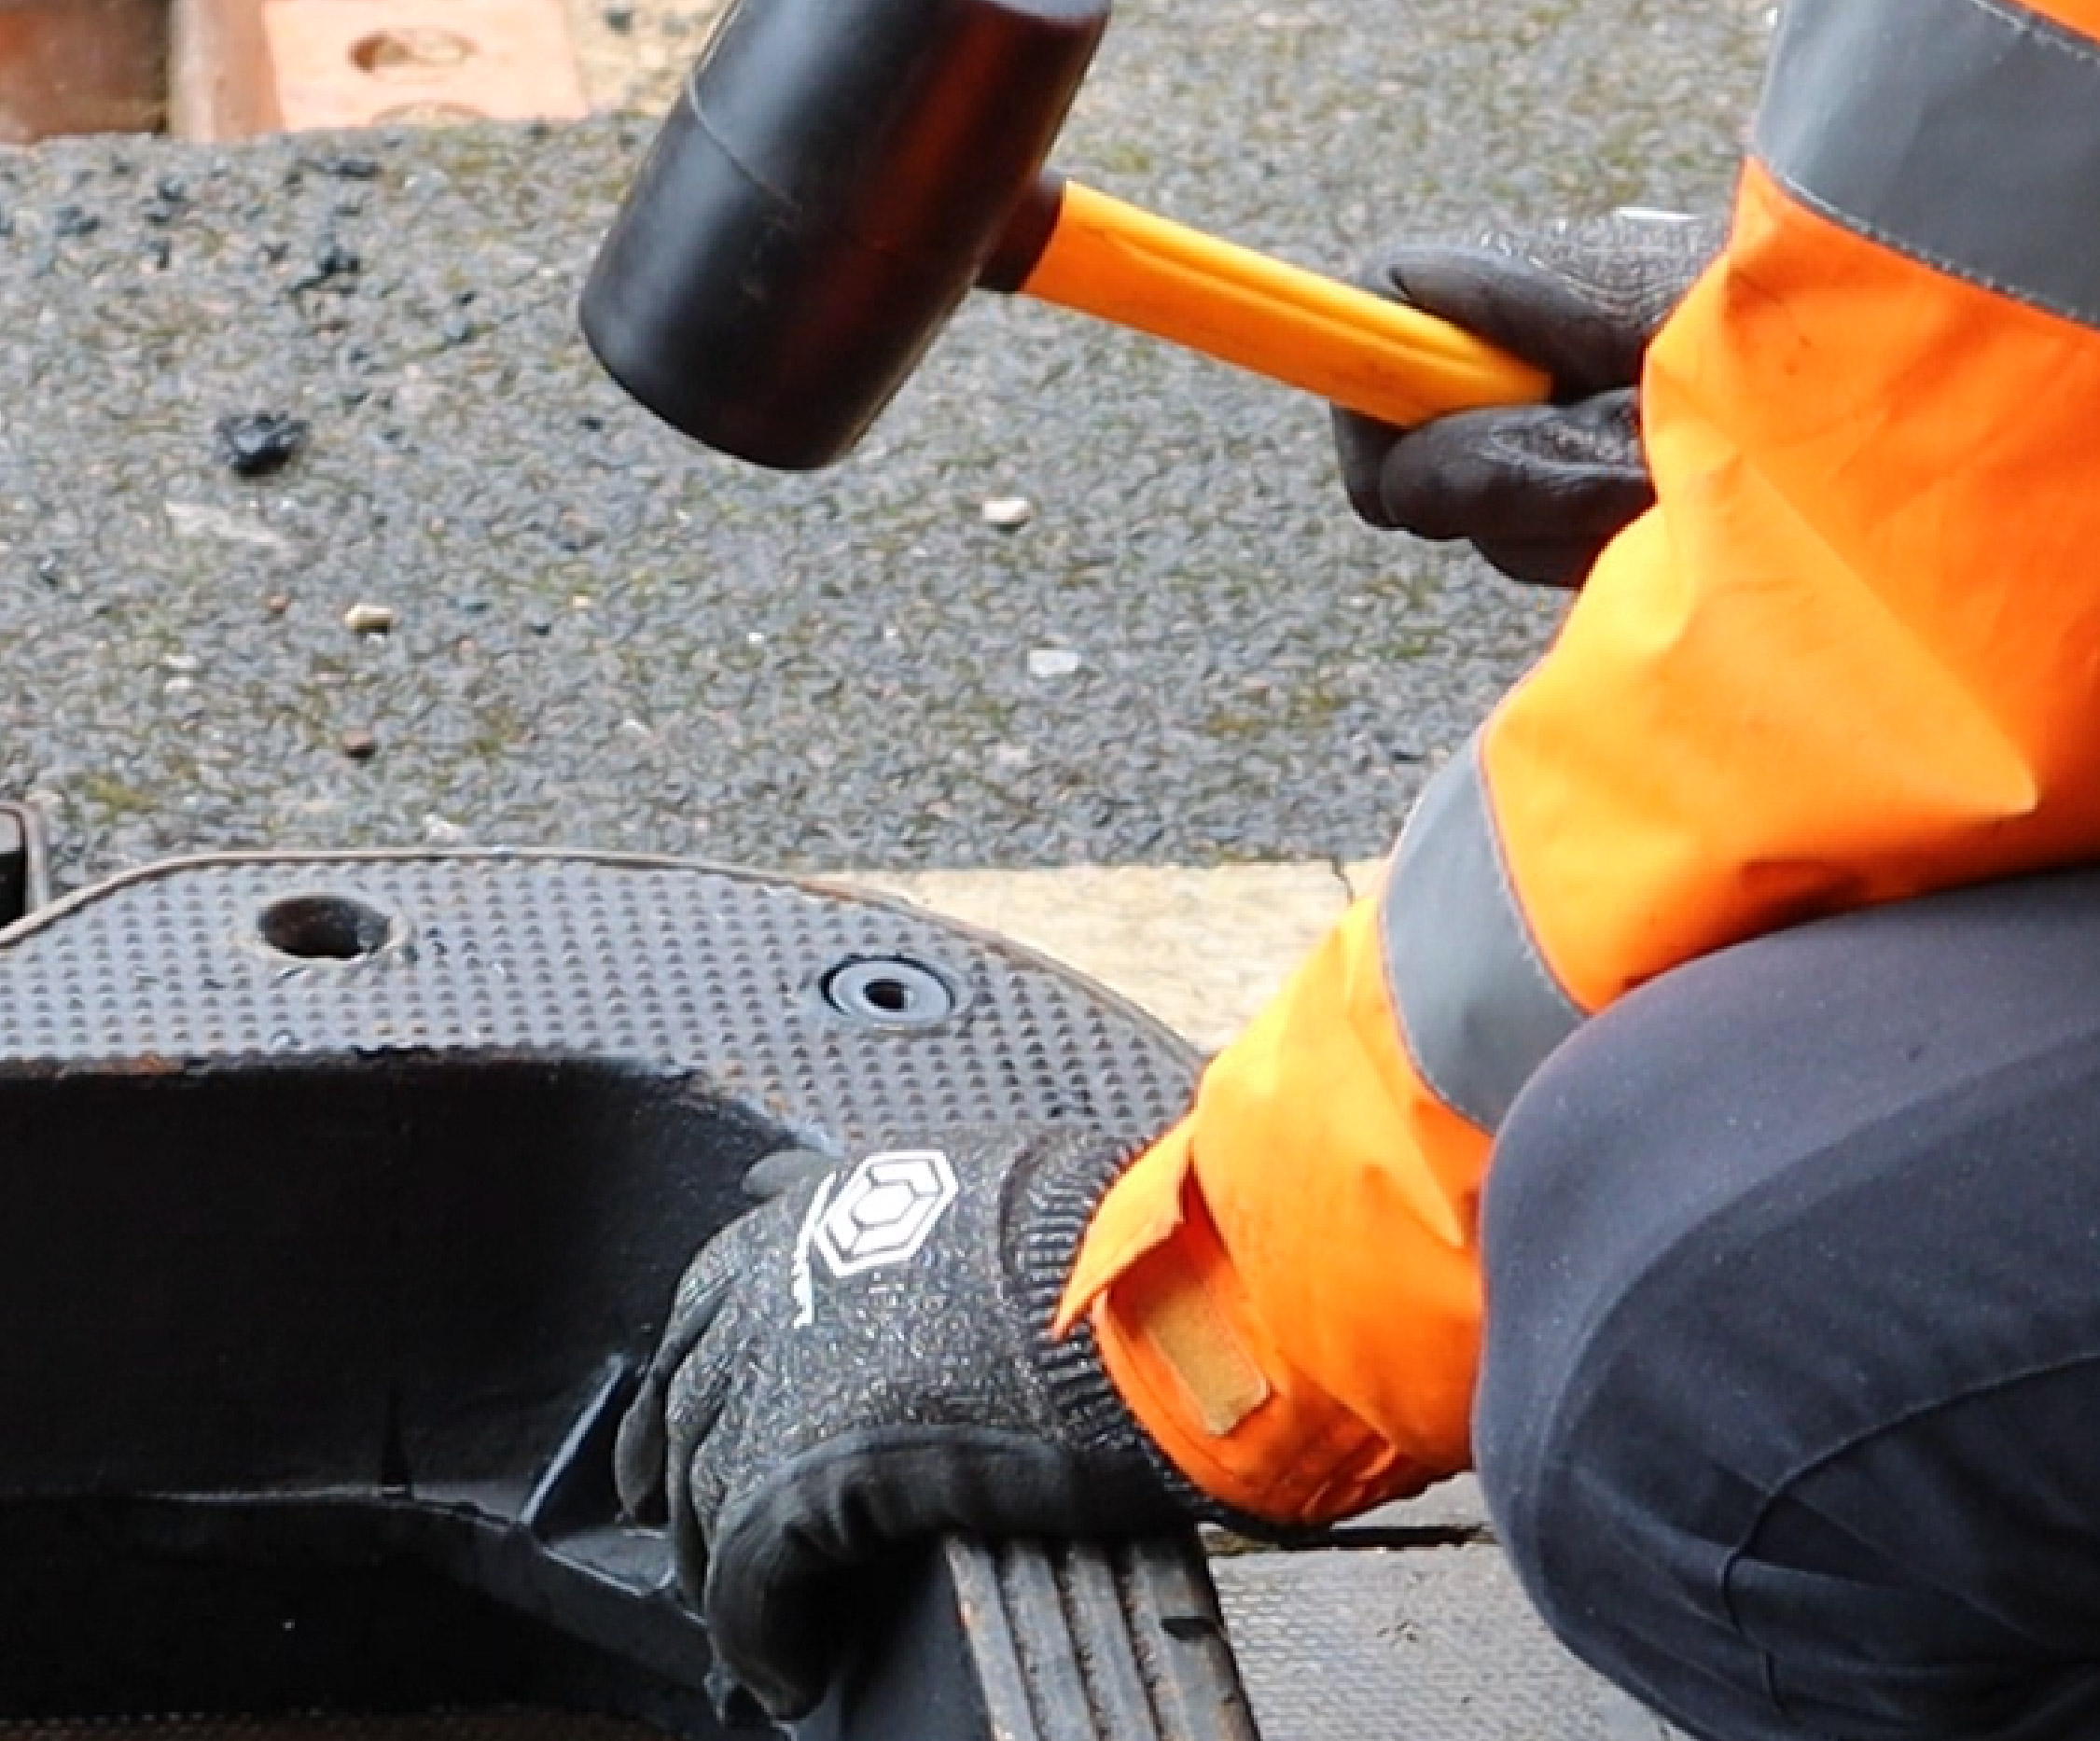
603,635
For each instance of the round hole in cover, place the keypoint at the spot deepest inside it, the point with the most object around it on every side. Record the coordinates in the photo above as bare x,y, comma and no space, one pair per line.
324,927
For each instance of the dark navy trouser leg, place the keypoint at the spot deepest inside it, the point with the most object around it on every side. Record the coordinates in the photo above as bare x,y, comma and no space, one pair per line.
1790,1411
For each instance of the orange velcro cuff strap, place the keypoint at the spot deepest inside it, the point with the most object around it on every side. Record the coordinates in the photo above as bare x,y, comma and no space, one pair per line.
1182,1349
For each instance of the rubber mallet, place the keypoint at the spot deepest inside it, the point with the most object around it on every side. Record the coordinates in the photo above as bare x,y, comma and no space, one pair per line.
838,173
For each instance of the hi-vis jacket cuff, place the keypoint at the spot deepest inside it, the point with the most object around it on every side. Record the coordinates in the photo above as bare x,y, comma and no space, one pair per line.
1939,128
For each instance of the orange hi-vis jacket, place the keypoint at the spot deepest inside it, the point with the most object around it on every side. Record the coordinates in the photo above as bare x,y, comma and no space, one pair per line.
1852,655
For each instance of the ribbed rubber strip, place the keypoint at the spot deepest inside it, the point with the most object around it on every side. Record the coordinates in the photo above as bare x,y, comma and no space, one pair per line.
1479,1008
1083,1642
1939,128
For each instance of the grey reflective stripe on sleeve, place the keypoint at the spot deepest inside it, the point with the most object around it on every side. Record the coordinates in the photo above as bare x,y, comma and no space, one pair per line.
1964,133
1479,1010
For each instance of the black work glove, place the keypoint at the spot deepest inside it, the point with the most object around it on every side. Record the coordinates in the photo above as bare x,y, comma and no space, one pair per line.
1538,489
866,1359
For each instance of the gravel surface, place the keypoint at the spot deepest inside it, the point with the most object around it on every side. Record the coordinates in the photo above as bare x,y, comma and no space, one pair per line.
1183,651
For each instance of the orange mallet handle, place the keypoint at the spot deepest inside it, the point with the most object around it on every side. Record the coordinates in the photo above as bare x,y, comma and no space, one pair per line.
1123,264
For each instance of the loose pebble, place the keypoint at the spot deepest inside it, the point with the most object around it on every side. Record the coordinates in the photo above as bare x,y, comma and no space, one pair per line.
1053,661
256,443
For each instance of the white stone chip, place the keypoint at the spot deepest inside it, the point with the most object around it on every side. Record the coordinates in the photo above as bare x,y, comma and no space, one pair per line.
192,520
1053,661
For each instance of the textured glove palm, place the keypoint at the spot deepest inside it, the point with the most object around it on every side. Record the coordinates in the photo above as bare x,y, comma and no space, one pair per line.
865,1359
1538,489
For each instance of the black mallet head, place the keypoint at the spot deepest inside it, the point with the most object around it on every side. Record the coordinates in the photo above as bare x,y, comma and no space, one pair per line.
833,179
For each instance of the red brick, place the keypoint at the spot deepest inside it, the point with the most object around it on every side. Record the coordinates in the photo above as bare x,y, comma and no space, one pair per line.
81,66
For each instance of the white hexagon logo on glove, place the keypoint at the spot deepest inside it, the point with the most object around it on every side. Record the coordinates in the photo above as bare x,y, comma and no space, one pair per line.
884,1209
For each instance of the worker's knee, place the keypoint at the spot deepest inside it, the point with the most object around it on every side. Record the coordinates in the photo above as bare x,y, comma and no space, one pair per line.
1780,1410
1596,1405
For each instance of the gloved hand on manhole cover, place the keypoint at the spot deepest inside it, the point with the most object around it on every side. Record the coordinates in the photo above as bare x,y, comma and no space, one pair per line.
866,1359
